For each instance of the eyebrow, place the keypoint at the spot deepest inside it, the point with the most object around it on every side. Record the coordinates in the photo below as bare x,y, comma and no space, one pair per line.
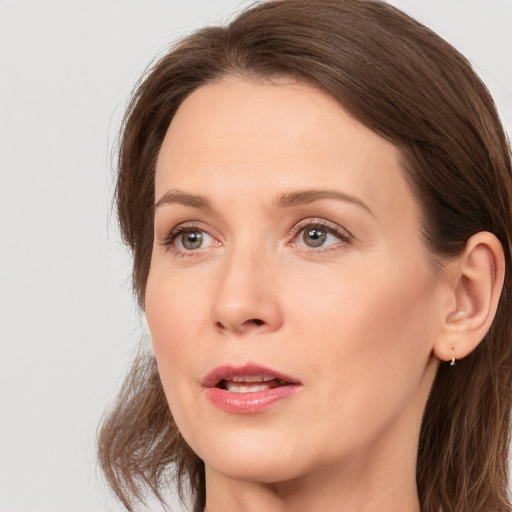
284,200
287,200
177,197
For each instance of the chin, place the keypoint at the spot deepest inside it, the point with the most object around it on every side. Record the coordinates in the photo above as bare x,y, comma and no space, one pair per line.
268,470
250,456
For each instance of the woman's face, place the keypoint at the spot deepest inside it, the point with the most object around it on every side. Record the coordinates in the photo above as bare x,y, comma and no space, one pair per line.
291,301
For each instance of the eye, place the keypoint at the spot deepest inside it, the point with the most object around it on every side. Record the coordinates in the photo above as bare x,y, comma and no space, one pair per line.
188,239
319,234
191,240
316,237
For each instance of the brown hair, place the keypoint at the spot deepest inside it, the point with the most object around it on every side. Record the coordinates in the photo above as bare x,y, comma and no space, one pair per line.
411,87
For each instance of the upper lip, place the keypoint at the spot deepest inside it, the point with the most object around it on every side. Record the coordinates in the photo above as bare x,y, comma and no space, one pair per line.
249,370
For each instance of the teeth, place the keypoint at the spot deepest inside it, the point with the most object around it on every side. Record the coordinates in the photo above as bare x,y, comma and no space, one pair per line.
237,388
252,378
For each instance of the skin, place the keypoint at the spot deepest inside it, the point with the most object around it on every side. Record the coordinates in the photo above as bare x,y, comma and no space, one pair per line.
354,320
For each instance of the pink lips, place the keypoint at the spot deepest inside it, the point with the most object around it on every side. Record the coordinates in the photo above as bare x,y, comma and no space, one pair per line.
221,383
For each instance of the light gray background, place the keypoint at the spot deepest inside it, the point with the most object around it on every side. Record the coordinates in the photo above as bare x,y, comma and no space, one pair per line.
68,324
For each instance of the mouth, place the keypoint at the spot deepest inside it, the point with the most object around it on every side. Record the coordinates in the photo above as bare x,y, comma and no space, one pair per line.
247,379
248,389
251,383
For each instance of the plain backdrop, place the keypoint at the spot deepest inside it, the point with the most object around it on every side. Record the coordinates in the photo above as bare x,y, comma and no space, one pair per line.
68,323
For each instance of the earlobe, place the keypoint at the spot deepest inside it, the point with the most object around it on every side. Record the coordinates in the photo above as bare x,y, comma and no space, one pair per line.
476,278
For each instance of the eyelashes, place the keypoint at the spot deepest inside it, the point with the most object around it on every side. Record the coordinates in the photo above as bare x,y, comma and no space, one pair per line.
319,234
311,235
188,237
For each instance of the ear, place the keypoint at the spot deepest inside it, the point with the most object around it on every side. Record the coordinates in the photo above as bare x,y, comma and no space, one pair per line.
475,283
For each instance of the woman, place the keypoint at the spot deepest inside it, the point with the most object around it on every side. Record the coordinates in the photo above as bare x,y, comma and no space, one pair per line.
318,200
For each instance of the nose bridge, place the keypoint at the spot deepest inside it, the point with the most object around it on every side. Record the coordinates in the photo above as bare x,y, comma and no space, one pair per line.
245,296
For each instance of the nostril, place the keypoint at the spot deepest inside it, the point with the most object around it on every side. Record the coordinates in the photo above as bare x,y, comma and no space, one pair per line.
246,325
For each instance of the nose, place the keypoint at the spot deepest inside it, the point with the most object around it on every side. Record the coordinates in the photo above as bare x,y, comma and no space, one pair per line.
246,299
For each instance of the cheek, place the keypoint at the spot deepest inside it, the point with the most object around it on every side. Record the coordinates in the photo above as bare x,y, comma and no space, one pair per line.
365,346
173,312
173,303
175,316
373,333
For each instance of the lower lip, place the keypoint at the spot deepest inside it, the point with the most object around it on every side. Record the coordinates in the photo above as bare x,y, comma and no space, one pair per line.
249,403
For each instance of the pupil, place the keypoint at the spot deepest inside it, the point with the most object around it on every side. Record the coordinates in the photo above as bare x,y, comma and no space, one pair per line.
314,237
192,240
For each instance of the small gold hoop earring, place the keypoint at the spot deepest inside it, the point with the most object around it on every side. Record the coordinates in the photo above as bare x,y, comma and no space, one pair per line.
452,363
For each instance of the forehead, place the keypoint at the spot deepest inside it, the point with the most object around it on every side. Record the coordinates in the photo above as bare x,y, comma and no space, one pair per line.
236,135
